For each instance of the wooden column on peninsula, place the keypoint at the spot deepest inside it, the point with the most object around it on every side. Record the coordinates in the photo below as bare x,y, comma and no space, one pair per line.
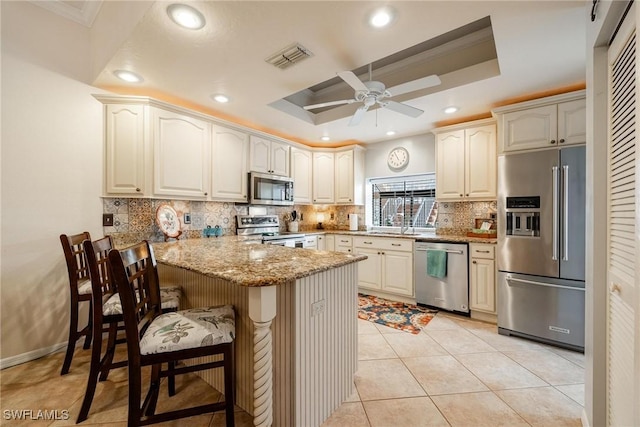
296,314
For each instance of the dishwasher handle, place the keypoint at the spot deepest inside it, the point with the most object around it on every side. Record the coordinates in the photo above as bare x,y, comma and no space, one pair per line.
449,251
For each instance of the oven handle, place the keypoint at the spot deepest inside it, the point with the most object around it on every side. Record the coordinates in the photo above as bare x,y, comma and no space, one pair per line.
548,285
447,251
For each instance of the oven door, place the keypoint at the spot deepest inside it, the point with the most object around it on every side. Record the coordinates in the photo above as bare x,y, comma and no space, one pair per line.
289,243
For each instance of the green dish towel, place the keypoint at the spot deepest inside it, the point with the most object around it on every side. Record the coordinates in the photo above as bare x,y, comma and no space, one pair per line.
436,263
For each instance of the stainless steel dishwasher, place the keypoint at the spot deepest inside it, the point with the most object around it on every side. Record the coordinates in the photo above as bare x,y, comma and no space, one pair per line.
450,292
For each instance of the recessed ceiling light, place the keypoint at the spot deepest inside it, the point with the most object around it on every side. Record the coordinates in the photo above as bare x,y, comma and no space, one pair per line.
381,18
128,76
450,110
325,138
220,98
186,16
391,132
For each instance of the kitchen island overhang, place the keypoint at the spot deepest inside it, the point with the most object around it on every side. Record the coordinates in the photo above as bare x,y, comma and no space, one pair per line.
296,321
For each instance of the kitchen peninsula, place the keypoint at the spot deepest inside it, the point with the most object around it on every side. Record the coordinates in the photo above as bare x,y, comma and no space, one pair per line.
296,314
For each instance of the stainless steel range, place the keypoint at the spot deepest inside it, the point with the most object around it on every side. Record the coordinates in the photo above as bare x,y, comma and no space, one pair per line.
267,228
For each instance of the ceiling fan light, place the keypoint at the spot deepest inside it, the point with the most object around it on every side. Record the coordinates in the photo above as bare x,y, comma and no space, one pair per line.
381,18
325,138
128,76
186,16
391,132
450,110
222,99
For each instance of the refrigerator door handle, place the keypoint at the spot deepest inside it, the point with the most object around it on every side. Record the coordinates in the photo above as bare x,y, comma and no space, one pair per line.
565,213
548,285
554,255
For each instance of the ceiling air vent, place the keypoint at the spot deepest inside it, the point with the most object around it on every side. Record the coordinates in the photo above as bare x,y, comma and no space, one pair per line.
289,56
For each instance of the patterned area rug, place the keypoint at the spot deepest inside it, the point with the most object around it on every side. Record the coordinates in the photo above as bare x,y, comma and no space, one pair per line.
397,315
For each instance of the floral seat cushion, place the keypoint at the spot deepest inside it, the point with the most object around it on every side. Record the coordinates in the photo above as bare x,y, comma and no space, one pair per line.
170,298
198,327
84,288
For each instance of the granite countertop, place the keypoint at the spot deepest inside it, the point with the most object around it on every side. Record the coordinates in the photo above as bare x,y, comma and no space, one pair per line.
420,237
248,262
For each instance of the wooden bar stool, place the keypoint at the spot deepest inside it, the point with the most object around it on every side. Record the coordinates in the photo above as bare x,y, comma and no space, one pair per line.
80,288
154,338
107,314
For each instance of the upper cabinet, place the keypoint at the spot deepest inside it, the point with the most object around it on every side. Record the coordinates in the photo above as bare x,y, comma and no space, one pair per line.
269,156
181,148
466,162
323,172
543,123
302,174
125,150
349,177
229,174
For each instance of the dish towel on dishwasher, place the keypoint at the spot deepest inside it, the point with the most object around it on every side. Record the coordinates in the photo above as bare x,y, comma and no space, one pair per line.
436,263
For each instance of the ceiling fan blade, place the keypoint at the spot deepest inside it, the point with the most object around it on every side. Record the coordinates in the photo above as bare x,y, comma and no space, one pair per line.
357,117
401,108
414,85
329,104
352,80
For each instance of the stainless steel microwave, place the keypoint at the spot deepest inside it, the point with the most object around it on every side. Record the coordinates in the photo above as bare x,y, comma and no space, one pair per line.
267,189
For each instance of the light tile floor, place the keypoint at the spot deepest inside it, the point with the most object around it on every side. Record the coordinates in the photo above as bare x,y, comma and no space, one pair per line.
456,372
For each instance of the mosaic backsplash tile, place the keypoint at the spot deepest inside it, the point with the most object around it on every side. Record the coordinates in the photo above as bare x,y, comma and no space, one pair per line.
134,219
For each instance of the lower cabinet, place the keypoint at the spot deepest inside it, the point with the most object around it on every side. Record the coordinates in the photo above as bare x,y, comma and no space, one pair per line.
321,244
311,242
389,266
482,278
329,242
343,243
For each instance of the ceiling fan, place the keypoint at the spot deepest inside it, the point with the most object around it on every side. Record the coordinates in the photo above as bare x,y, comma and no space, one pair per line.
374,92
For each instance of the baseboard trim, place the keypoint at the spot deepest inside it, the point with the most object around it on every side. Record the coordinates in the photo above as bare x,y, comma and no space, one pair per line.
31,355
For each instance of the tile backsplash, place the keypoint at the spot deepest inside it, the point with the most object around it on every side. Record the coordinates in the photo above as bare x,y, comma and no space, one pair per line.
134,219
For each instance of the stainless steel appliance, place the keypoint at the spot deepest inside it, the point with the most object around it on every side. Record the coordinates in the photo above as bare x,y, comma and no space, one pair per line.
541,245
450,292
267,229
267,189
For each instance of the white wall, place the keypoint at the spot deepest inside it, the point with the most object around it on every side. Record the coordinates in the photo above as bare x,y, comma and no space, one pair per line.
51,171
422,154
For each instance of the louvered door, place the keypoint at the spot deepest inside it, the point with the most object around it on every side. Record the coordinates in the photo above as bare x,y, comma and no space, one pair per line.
622,392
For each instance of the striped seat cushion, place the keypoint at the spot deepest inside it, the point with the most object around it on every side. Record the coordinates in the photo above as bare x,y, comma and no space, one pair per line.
198,327
169,296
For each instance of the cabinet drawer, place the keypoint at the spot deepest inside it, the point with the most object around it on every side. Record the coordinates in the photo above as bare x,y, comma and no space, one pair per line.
403,245
344,240
482,251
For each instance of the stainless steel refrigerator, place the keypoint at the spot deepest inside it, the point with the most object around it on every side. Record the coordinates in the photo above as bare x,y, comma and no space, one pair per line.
541,245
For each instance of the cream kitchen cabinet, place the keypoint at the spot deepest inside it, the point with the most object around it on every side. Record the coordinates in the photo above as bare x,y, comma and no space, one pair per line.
343,243
229,174
543,123
466,162
482,278
329,242
268,156
310,242
302,174
389,266
181,154
323,177
349,177
125,150
321,242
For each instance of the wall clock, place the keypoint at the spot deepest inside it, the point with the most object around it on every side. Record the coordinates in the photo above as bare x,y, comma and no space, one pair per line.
398,159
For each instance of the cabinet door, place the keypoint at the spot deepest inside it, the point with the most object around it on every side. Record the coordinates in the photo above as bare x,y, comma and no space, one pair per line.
259,155
480,162
482,285
344,184
330,242
323,174
397,272
302,174
279,158
229,174
124,150
369,270
450,165
572,122
181,155
532,128
321,246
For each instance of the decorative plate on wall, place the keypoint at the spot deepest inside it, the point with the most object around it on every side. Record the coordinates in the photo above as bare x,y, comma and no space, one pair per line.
168,221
